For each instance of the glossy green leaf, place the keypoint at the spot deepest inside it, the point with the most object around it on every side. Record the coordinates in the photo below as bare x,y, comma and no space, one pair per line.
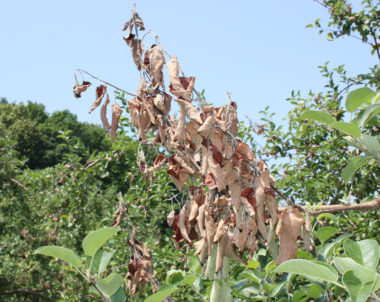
353,165
348,128
163,293
325,233
309,269
318,116
93,241
119,296
358,97
61,253
110,284
368,113
249,275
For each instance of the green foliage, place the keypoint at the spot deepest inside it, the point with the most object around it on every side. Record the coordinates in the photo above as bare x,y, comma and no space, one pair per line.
357,269
35,134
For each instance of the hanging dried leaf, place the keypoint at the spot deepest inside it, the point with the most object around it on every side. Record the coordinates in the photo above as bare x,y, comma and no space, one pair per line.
183,219
221,250
244,150
170,218
240,236
157,61
193,210
191,111
288,229
78,89
230,251
210,230
247,206
138,21
175,83
100,92
180,131
219,230
206,127
157,165
201,221
221,201
136,48
271,203
103,114
116,113
200,246
144,123
163,103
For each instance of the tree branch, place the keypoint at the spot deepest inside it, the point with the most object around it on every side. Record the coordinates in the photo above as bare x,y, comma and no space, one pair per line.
367,206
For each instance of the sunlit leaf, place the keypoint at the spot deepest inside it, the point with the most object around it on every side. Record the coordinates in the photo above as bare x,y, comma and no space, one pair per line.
358,97
61,253
93,241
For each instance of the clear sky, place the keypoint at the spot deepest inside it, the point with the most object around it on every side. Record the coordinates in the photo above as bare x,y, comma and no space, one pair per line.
259,50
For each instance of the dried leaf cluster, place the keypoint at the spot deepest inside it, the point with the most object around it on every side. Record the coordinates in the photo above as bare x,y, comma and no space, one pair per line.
234,205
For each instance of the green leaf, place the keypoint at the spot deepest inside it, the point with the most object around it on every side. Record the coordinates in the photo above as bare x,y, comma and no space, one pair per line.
110,284
119,296
104,261
163,293
194,265
61,253
318,116
368,113
309,269
329,37
353,251
328,216
372,144
325,233
370,252
353,285
174,276
358,97
348,128
328,249
353,165
253,264
249,275
345,264
93,241
188,280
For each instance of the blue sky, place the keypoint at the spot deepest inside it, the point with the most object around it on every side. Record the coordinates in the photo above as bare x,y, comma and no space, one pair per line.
259,50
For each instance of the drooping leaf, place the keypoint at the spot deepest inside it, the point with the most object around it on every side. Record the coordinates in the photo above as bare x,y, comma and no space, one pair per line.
93,241
358,97
318,116
325,233
61,253
110,284
163,293
348,128
309,269
353,165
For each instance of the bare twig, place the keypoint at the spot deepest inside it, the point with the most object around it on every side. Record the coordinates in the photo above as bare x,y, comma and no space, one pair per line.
19,184
367,206
107,83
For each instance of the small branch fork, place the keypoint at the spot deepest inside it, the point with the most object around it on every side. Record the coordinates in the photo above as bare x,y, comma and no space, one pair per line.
367,206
